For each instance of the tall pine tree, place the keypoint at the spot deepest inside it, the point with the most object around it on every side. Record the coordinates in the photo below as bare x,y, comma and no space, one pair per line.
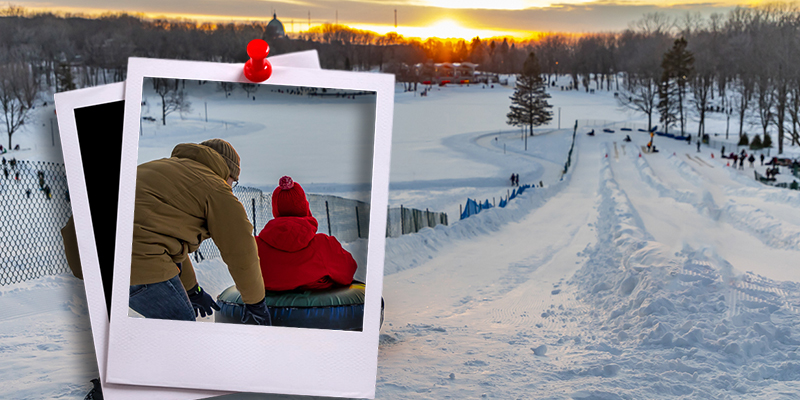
529,106
677,66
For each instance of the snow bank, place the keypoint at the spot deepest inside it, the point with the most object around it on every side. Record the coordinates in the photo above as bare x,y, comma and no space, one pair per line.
680,323
409,251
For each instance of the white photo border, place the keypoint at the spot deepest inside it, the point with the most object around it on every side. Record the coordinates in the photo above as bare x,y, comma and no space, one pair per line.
66,103
245,357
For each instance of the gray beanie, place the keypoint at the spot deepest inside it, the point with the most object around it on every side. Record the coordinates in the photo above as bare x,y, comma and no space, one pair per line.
228,153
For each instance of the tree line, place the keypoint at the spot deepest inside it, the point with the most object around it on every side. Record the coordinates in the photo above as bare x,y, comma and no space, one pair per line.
744,63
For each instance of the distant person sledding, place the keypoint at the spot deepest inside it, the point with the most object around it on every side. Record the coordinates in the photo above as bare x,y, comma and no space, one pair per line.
292,254
591,133
627,138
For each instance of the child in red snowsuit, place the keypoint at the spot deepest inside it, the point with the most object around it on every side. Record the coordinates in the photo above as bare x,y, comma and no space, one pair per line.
292,254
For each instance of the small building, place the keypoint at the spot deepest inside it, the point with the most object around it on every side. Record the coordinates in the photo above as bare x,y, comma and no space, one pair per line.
275,27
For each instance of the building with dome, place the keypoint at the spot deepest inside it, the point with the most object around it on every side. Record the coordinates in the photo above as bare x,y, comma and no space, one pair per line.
275,27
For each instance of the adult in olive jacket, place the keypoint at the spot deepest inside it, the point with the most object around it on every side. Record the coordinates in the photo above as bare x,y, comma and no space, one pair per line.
181,201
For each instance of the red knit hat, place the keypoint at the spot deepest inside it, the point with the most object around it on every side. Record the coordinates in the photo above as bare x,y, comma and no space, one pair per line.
289,199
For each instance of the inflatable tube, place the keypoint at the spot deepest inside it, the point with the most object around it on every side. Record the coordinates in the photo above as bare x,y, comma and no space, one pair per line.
338,308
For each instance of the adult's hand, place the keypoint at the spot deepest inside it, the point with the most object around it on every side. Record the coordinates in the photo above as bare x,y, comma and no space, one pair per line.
257,313
202,302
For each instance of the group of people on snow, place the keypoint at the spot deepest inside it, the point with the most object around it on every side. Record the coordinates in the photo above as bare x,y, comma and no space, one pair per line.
13,164
187,198
741,158
514,179
3,150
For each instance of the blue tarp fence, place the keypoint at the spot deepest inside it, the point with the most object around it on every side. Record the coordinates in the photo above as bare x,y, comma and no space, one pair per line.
473,207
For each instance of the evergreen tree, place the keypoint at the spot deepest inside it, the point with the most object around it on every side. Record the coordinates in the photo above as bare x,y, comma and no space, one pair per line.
767,142
65,78
743,140
529,106
677,65
755,144
667,104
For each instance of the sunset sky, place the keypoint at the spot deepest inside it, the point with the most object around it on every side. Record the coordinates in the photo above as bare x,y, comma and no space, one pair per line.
415,18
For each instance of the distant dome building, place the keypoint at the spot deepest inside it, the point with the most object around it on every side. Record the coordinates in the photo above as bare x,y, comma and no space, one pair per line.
275,27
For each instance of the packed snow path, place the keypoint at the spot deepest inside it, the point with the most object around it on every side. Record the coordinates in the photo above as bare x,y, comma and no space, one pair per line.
627,280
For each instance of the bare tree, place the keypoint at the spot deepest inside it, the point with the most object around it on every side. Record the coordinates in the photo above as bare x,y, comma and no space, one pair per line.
250,88
15,111
641,54
640,93
703,78
656,23
172,98
226,87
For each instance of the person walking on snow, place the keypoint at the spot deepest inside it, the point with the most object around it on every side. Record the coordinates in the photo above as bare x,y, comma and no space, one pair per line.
291,252
762,159
752,159
180,202
698,146
512,179
741,162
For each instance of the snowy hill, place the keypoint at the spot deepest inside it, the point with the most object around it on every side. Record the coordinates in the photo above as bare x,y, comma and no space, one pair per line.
661,276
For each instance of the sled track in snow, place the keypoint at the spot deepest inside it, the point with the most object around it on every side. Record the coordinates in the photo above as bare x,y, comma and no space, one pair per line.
772,231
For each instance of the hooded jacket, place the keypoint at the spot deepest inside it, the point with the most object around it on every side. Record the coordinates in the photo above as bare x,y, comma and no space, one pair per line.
181,201
294,256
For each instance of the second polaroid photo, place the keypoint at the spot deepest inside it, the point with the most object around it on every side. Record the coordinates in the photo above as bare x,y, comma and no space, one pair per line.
90,122
251,229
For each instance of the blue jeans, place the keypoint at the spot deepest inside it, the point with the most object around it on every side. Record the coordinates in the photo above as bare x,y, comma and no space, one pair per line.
162,300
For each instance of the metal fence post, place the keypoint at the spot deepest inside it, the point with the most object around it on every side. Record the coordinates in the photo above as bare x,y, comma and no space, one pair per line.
254,218
358,224
328,214
402,221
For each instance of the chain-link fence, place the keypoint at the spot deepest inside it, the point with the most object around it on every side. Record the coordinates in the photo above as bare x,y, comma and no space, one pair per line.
345,219
34,206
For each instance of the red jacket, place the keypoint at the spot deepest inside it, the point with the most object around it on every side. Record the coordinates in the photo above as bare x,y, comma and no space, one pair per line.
293,256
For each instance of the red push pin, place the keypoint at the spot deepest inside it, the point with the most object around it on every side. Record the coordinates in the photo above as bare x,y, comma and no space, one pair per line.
257,69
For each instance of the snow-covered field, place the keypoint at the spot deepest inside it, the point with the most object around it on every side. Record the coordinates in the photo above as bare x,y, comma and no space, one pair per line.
661,276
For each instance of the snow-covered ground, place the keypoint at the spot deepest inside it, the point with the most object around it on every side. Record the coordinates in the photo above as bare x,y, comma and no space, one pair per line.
660,276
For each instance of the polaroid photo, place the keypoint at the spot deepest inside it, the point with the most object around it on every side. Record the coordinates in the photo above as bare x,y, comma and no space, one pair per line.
90,125
223,184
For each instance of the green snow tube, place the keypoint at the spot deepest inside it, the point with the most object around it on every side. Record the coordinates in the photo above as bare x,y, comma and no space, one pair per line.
338,308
